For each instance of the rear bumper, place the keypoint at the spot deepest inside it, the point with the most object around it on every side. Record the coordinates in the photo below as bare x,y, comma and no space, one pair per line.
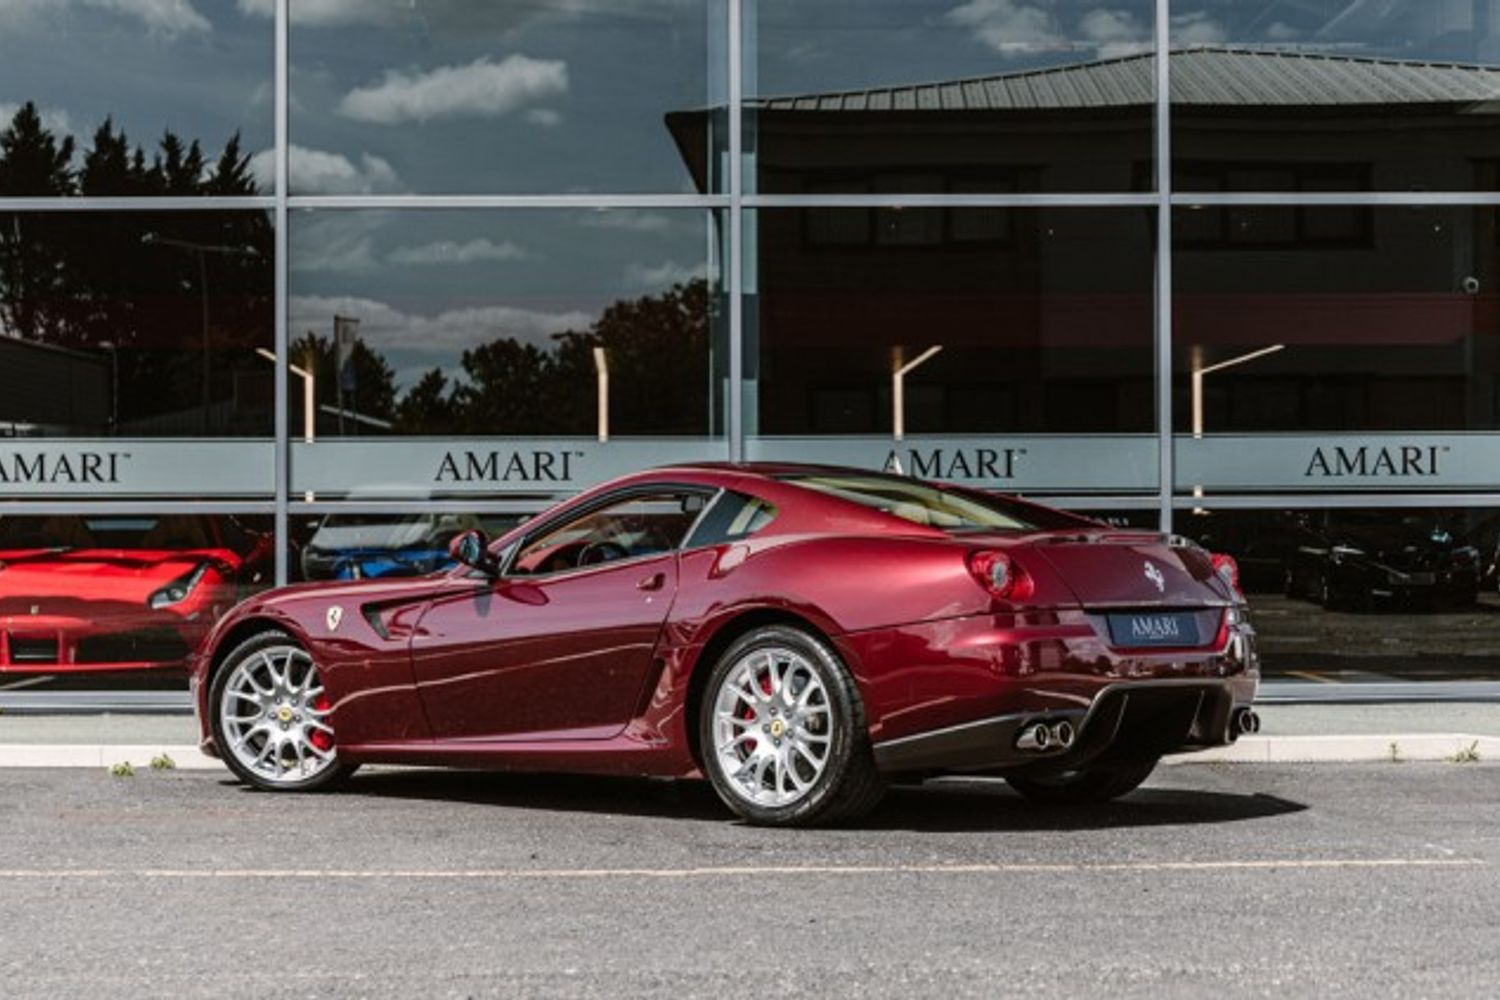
1125,721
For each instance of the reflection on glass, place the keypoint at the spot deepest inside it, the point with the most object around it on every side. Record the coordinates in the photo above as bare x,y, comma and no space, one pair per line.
122,592
368,546
1390,324
134,99
946,96
1303,96
136,324
536,96
570,323
1318,579
1043,320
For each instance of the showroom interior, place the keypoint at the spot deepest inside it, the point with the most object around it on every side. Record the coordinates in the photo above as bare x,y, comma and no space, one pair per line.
296,290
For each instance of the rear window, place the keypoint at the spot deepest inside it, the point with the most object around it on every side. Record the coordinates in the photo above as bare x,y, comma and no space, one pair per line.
733,516
935,507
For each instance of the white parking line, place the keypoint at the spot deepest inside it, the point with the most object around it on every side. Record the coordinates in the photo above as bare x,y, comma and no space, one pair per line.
27,682
1267,864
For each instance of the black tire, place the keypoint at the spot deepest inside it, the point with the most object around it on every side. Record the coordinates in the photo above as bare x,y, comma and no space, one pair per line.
849,785
1094,784
325,780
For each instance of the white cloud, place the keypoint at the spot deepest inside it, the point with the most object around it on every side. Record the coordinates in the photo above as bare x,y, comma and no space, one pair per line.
1115,33
335,242
166,18
383,326
1197,28
482,88
54,120
1009,27
163,17
453,252
627,219
1280,31
545,117
317,172
663,275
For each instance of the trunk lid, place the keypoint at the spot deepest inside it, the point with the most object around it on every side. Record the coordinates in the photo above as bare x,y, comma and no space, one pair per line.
1108,570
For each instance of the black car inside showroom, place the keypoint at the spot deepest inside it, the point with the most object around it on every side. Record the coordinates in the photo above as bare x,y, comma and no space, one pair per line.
307,306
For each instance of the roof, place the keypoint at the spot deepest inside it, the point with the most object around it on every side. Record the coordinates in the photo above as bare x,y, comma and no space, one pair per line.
1210,76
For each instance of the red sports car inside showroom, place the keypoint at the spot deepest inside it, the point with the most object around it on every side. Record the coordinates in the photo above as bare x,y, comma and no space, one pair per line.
115,592
797,634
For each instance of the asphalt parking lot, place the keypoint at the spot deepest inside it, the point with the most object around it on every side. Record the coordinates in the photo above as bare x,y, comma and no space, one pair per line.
1230,880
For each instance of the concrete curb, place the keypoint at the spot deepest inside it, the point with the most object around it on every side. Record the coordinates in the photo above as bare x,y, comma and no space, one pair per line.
185,757
1337,749
1248,750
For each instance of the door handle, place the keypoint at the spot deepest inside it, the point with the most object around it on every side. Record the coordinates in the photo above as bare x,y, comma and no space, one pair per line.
652,582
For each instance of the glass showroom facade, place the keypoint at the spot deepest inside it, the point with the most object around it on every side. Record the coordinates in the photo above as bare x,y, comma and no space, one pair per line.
299,290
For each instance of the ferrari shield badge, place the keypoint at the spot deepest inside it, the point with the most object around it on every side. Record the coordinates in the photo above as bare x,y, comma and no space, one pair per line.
1154,575
335,615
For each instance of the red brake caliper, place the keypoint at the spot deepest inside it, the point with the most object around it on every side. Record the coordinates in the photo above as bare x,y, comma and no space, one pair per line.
318,737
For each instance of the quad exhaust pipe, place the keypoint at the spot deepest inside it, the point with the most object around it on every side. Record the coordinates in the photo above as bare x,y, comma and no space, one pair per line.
1039,737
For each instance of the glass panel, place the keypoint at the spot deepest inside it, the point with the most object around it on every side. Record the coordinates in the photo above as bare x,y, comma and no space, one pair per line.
1337,319
367,545
935,96
121,329
1368,594
129,593
627,529
531,350
506,96
96,99
1329,95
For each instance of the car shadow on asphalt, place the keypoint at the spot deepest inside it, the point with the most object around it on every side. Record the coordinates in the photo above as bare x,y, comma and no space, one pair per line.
952,805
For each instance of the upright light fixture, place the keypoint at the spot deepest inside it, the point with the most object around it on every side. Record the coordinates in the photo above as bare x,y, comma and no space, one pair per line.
601,373
1200,370
898,390
309,400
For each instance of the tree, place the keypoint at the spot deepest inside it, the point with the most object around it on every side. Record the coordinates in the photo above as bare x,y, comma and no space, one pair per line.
373,392
429,407
33,260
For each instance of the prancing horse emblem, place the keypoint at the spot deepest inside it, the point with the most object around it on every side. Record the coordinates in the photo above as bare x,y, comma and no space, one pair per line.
335,615
1152,573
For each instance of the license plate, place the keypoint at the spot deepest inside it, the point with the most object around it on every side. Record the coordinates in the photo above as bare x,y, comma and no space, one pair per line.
1169,628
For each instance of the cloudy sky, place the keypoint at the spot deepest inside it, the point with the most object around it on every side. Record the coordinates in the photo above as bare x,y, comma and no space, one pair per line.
516,96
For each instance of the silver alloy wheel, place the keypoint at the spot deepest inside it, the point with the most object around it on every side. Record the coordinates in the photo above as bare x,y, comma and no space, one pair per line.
273,716
772,727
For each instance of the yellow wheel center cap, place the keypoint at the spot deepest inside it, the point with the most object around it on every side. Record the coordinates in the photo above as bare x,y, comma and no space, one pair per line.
777,728
284,714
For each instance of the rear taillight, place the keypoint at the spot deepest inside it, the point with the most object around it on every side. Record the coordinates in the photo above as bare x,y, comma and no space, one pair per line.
1228,570
999,574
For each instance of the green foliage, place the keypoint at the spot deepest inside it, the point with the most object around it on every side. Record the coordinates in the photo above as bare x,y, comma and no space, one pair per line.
1466,755
163,762
122,770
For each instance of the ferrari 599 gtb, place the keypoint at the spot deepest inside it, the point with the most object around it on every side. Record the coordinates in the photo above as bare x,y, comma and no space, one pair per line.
800,636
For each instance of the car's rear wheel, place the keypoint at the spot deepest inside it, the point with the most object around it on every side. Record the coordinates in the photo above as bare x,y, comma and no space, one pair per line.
271,717
782,732
1091,784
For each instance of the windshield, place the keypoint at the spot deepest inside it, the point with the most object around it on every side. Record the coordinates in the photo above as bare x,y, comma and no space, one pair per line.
113,532
935,507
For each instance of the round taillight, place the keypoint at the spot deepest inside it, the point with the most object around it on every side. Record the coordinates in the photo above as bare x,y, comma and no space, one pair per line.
1000,576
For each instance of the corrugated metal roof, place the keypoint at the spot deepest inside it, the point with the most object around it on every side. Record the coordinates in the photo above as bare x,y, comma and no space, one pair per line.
1200,76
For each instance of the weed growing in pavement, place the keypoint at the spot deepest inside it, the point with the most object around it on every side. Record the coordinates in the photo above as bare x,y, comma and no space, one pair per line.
162,762
1395,752
1466,755
122,770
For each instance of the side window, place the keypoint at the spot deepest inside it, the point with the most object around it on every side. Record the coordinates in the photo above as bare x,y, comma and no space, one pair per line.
641,525
733,515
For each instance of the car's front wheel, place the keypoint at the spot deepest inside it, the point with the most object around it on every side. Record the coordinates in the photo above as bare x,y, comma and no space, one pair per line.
1091,784
271,717
782,732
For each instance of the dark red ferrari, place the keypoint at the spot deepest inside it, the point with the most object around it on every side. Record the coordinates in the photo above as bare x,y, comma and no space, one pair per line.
798,635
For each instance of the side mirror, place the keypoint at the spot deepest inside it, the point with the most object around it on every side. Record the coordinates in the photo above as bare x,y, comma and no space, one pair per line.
472,548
